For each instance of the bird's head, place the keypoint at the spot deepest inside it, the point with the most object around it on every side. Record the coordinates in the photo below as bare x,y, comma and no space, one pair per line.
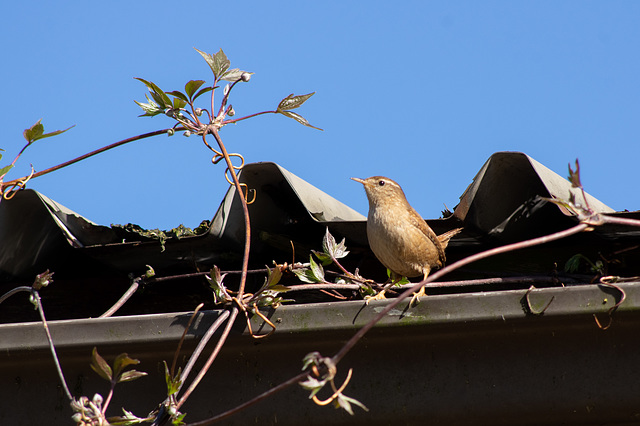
381,190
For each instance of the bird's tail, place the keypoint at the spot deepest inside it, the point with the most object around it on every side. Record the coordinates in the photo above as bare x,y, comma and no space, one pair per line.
444,238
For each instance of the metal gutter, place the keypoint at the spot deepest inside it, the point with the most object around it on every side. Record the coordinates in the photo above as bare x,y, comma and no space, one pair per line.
477,358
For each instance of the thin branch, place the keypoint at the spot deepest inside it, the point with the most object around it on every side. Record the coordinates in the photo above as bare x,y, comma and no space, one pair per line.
245,210
499,250
272,391
235,120
184,334
91,154
126,296
323,286
15,291
36,296
212,357
201,345
620,220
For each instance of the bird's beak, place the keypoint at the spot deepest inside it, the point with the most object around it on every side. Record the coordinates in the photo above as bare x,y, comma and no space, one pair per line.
358,180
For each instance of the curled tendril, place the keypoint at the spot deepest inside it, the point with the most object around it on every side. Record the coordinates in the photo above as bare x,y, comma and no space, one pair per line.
608,282
245,309
336,392
10,191
216,159
528,303
219,157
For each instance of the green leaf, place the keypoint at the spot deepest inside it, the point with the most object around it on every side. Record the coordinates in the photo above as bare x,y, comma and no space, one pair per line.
57,132
306,276
218,63
100,366
150,273
279,288
157,94
179,94
336,251
344,402
574,176
178,420
215,280
313,274
122,361
233,75
293,102
317,270
5,170
34,132
150,85
273,277
192,86
324,258
202,92
179,103
173,383
128,419
300,119
130,375
150,109
209,59
222,63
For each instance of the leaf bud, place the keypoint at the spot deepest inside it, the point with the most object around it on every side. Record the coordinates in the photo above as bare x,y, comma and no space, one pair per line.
97,399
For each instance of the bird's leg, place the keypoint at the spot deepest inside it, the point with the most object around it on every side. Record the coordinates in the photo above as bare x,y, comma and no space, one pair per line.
380,295
417,295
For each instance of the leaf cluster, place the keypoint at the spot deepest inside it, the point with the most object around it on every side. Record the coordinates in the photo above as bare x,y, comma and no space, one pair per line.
322,370
291,102
32,134
174,103
131,230
269,294
215,280
219,64
161,103
117,373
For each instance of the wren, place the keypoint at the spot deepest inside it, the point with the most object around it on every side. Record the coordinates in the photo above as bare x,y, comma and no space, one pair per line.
399,237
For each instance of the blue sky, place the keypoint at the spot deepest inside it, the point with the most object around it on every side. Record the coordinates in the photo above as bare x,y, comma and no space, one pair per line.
423,93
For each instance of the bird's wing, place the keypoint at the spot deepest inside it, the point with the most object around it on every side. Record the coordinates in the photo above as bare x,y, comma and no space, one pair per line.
428,232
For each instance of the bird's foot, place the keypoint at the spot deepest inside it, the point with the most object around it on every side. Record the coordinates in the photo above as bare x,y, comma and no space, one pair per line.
416,297
379,296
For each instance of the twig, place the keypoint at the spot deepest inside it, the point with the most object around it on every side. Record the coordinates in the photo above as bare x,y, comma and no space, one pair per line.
126,296
212,357
245,210
201,345
619,220
184,334
83,157
498,250
15,291
272,391
36,296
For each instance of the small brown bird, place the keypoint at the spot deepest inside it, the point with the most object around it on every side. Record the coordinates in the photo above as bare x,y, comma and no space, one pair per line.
398,236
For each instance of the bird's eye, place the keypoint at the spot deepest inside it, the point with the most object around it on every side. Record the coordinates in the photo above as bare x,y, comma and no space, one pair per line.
381,183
